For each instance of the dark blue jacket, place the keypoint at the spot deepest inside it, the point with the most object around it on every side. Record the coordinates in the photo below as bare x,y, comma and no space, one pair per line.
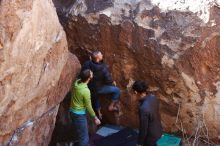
101,74
150,128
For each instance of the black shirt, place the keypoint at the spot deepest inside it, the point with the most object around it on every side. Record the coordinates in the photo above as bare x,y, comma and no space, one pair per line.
101,74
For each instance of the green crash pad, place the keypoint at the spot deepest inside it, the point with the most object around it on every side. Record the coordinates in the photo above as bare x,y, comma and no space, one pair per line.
169,140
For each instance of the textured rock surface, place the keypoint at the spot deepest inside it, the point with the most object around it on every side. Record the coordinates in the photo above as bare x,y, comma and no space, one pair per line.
36,71
174,46
64,129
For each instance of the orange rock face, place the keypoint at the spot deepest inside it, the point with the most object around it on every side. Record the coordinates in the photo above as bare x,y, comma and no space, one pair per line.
176,51
36,71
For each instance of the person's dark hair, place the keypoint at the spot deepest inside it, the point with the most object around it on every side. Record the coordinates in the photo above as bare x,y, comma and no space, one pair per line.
85,75
140,86
94,54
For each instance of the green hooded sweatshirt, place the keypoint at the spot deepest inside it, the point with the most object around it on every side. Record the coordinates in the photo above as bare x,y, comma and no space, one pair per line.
81,98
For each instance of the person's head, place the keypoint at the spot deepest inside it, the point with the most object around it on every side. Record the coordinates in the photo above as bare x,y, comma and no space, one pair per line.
140,87
97,56
86,75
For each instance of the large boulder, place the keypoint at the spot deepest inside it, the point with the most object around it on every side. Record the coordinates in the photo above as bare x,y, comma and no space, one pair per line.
36,71
174,45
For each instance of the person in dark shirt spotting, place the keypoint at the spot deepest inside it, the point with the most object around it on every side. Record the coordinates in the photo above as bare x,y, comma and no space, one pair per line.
150,129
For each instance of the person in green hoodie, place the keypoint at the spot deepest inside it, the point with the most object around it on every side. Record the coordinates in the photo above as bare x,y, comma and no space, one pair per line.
80,104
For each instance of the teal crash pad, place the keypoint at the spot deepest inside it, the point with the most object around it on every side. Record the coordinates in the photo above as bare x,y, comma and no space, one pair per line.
169,140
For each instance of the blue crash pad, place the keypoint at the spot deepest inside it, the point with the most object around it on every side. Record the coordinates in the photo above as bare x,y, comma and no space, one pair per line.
169,140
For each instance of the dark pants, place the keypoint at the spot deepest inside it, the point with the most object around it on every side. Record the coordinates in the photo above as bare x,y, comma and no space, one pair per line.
80,123
106,89
150,142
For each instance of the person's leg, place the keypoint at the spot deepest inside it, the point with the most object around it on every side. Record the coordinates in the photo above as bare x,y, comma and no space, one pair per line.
150,142
96,103
80,123
115,95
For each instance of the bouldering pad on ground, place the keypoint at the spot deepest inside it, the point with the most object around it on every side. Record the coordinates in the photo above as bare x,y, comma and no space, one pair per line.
125,137
169,140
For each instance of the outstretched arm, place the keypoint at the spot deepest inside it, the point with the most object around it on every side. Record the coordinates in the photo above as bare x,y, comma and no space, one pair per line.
86,65
88,104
